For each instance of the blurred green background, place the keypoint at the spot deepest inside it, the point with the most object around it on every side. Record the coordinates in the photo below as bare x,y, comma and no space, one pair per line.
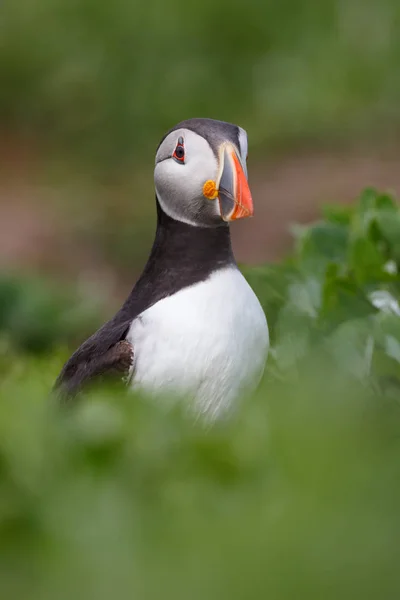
297,495
107,79
87,89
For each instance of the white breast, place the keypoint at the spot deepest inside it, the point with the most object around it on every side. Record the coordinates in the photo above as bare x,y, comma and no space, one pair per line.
208,341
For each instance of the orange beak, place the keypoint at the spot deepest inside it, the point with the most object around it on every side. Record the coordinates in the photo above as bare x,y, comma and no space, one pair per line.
235,201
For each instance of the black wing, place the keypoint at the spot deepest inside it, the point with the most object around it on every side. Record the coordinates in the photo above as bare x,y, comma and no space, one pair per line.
105,353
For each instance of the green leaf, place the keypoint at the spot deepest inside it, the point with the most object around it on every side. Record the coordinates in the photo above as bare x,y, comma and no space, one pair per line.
392,347
366,262
342,300
339,214
351,346
386,202
388,223
367,200
323,243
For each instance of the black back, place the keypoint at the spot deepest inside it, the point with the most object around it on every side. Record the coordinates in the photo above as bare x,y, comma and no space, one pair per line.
182,255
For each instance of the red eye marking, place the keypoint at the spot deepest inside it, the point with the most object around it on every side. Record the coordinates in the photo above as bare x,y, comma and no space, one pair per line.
179,152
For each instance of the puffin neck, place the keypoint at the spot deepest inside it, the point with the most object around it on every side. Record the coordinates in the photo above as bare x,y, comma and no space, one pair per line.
179,245
182,255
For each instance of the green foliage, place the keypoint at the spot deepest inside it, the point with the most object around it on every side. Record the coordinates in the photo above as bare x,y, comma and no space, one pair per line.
295,495
36,316
339,292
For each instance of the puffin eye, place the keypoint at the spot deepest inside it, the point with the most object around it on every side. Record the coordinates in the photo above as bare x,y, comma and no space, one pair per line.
179,152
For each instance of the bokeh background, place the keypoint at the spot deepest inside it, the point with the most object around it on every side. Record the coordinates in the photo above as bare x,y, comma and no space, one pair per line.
87,89
297,495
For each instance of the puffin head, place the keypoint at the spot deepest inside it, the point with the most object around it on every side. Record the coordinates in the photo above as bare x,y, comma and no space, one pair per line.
201,174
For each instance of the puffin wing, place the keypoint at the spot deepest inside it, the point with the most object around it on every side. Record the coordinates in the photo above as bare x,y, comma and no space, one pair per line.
105,354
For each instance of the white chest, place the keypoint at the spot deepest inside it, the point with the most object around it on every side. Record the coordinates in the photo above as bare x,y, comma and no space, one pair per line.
208,341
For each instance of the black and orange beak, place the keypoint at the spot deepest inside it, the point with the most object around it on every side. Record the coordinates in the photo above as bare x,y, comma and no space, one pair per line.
234,196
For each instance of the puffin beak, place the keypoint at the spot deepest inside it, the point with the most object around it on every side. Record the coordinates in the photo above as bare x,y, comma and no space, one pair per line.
234,194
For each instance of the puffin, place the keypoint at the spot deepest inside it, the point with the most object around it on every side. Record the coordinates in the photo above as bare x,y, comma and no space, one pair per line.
192,327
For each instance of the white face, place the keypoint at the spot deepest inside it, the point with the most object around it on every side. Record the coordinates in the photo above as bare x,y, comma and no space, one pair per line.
179,181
